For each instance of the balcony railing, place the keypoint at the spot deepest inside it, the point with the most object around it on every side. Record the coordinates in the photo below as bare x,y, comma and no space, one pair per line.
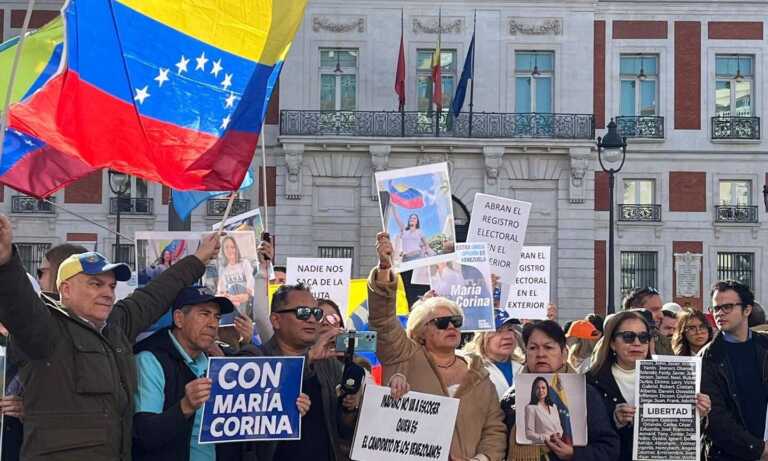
26,204
727,127
131,205
217,207
640,213
736,214
643,126
434,124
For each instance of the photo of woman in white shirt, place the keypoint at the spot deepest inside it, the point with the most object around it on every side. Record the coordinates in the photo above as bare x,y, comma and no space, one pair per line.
542,419
236,280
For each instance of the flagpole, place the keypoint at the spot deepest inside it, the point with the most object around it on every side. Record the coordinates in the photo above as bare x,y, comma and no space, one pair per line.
472,84
439,65
264,178
12,80
402,38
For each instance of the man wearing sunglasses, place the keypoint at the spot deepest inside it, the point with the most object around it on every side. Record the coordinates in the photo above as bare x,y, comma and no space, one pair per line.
296,321
734,373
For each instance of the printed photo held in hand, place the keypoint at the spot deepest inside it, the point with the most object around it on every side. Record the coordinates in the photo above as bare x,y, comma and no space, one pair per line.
158,251
417,211
248,221
467,282
234,275
551,405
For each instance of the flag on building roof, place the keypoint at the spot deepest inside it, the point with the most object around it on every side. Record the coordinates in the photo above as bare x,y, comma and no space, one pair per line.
400,72
437,77
467,74
166,91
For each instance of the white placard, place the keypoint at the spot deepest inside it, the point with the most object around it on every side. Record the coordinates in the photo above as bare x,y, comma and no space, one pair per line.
417,427
327,278
666,426
501,222
416,208
529,294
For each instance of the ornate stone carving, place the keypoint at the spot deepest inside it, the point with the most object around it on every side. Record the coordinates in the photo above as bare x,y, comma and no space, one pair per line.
535,26
494,158
294,157
379,162
580,158
325,24
431,25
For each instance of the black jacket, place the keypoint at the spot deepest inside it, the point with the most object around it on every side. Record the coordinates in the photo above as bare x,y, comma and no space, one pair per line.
725,434
602,441
165,435
609,393
79,382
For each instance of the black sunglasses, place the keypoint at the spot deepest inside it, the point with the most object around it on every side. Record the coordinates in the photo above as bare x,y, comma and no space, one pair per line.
304,312
629,337
441,323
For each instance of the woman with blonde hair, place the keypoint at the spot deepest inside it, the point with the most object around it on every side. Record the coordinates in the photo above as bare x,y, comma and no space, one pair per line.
626,339
499,351
692,332
424,355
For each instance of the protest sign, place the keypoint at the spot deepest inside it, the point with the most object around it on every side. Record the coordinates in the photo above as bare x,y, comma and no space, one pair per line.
529,293
234,277
252,398
500,222
467,282
666,421
565,413
248,221
157,251
327,278
416,208
416,427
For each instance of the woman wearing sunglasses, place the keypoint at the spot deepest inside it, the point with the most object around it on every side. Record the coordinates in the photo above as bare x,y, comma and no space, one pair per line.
626,340
425,354
692,332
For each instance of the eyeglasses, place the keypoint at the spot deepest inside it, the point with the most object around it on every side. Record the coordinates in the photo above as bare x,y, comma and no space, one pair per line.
726,308
441,323
692,329
304,312
629,337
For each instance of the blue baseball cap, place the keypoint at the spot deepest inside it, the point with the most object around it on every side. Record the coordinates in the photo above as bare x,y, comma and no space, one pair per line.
198,294
501,317
91,263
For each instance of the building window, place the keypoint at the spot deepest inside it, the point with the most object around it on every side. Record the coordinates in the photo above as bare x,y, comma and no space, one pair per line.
734,89
534,81
424,88
736,193
736,266
338,79
639,85
638,270
125,254
337,252
639,192
31,254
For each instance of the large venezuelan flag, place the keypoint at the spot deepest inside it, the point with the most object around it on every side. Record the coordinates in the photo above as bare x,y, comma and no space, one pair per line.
172,91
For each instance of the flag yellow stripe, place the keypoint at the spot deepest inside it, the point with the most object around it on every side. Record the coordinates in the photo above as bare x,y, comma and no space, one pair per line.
259,30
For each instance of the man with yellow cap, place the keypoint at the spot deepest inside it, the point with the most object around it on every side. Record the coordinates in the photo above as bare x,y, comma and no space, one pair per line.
80,377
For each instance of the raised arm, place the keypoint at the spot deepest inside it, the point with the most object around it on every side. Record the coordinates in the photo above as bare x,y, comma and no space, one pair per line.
24,314
140,310
392,344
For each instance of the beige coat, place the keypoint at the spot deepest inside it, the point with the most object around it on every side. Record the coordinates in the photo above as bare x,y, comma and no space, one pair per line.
479,428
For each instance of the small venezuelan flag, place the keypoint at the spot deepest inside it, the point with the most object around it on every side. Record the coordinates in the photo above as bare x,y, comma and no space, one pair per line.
172,91
405,196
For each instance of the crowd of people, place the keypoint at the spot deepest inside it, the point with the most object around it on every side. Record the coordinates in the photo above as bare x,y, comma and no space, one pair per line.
79,386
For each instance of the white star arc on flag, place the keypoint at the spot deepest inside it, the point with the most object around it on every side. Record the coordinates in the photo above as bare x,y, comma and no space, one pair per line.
227,81
201,60
162,77
225,122
182,64
230,101
142,94
216,68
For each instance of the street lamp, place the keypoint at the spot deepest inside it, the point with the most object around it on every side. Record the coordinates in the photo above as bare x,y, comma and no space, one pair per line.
611,151
119,183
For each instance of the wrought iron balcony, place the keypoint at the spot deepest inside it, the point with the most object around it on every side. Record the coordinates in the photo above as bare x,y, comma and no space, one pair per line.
131,205
736,214
728,127
217,207
434,124
643,126
640,213
26,204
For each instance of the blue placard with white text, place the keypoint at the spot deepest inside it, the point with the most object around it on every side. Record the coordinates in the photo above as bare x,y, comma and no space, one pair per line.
252,398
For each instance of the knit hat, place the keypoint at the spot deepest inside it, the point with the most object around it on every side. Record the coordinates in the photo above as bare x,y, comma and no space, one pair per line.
582,329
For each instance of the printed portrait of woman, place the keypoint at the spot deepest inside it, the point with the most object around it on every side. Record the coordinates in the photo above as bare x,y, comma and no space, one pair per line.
161,264
542,418
413,244
236,280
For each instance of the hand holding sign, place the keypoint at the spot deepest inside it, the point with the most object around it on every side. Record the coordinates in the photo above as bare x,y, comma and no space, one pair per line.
398,386
384,250
624,414
559,447
196,392
303,403
209,248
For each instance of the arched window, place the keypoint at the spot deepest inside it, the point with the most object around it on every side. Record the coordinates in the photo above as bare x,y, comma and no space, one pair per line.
460,219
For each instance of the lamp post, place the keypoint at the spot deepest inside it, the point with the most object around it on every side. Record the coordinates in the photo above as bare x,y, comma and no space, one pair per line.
118,184
765,197
614,148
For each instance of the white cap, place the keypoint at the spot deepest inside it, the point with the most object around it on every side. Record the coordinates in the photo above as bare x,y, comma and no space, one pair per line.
672,307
